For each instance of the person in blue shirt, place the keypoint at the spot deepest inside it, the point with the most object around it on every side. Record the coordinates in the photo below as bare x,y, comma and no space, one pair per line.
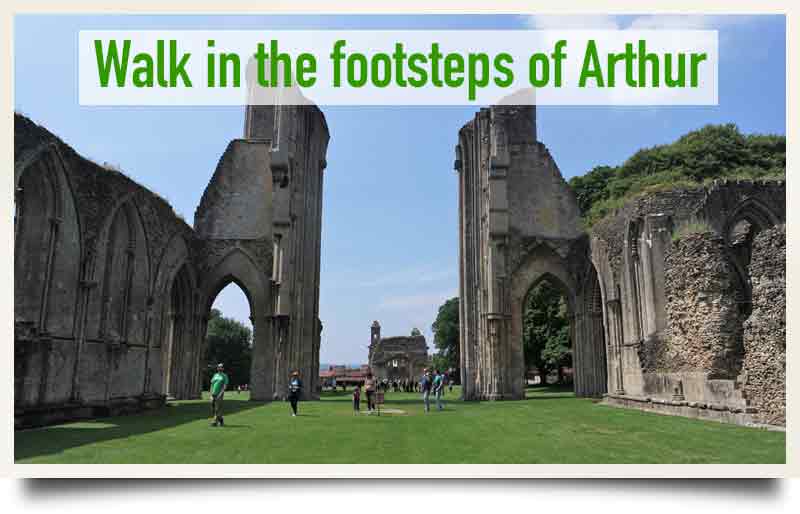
425,385
295,389
438,388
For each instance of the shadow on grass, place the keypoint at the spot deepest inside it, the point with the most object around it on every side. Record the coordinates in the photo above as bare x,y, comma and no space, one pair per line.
549,392
51,440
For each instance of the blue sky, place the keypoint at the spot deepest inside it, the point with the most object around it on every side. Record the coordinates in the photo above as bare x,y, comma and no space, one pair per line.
389,243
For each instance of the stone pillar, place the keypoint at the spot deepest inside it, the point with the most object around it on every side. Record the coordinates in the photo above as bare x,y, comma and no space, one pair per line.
616,342
659,227
84,292
261,370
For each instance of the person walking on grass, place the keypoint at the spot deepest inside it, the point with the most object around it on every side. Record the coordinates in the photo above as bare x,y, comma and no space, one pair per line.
218,384
425,385
369,387
438,388
357,399
295,389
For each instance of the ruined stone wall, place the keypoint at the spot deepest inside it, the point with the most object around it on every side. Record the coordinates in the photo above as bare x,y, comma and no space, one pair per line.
678,264
90,270
765,330
113,289
233,205
704,325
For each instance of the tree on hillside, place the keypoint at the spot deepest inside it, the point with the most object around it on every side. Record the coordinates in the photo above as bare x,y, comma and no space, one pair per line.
712,152
446,335
546,341
415,332
229,342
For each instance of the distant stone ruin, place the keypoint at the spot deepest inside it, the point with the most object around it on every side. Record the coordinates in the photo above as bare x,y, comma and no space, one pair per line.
677,300
397,358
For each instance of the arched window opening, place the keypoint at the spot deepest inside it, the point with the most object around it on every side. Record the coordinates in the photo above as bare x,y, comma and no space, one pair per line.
229,338
748,220
547,335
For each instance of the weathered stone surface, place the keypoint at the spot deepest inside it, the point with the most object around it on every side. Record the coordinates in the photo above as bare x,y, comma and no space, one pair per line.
704,325
684,301
113,289
235,204
88,245
765,330
299,137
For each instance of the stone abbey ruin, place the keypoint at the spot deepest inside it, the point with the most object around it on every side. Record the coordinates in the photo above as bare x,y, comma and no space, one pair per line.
113,290
397,357
692,325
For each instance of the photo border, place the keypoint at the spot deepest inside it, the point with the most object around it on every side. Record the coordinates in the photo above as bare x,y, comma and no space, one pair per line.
791,9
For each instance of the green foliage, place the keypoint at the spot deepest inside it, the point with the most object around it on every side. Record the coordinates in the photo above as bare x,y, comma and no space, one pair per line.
440,362
712,152
693,227
545,330
230,343
446,335
415,332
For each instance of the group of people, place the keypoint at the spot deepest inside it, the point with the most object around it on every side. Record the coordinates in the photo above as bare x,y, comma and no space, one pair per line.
432,382
403,385
219,383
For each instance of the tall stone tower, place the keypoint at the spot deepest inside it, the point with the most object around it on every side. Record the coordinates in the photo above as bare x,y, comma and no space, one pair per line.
298,139
519,222
374,341
375,333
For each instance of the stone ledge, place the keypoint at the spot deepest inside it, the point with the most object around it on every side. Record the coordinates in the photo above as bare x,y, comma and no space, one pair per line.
696,410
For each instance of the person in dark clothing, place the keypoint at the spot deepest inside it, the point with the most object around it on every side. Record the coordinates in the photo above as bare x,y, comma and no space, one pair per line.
295,389
357,399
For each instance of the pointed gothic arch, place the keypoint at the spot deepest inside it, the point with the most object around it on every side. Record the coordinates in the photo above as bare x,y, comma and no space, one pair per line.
239,267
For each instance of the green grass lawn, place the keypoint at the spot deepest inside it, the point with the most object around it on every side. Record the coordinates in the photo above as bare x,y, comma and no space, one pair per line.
551,426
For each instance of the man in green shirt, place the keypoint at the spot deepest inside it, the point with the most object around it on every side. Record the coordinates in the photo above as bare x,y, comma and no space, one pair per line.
218,384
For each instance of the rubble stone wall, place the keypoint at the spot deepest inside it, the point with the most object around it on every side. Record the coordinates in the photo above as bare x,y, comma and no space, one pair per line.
765,330
704,327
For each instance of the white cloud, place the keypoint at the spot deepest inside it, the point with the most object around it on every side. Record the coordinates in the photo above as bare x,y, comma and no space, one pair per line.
570,22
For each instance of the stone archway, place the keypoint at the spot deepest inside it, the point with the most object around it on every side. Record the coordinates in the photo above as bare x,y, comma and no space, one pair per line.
585,311
519,220
546,285
741,227
240,268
